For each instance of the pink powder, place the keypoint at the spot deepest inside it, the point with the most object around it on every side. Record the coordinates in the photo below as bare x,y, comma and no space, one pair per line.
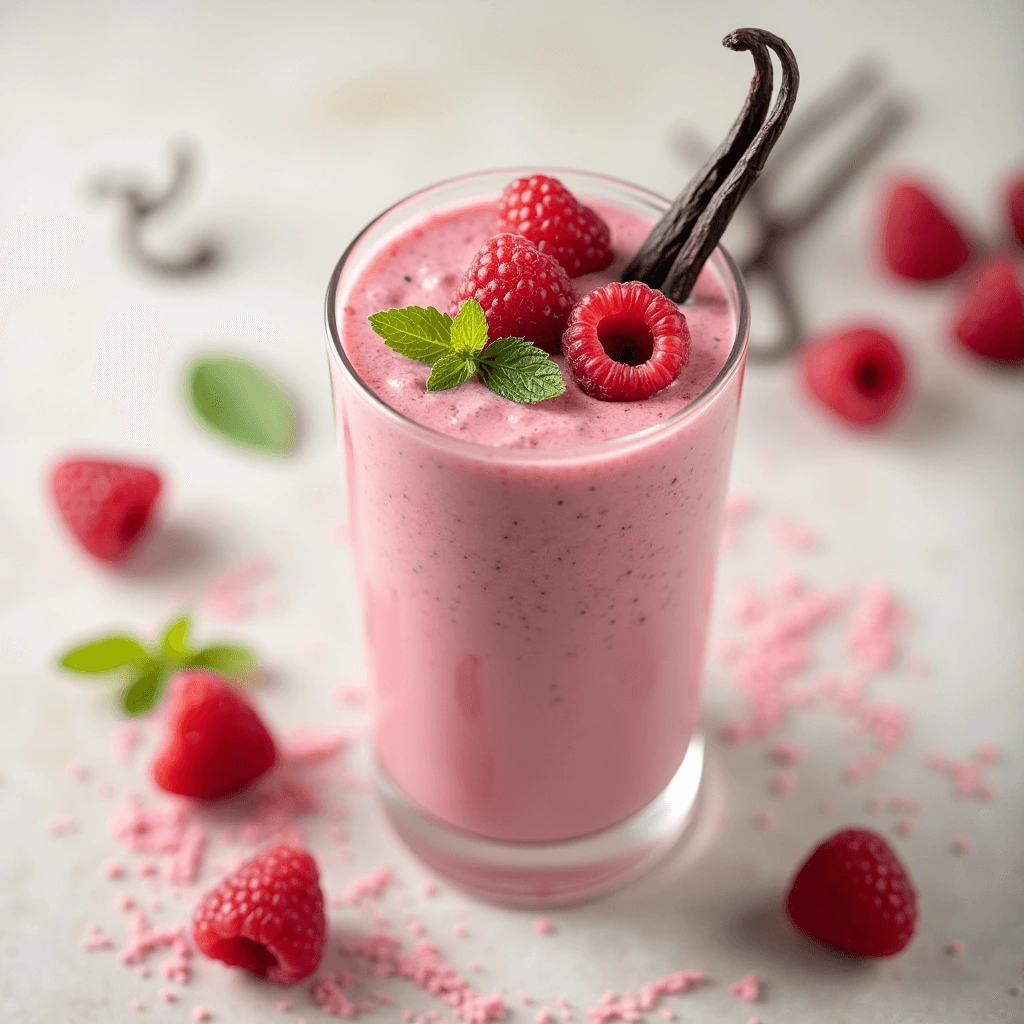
764,820
143,939
142,971
61,826
985,793
183,867
461,931
563,1002
148,829
954,948
78,771
783,784
872,634
738,508
630,1006
310,745
524,997
127,738
112,870
147,868
230,595
329,994
201,1013
95,938
874,804
136,1005
417,927
906,827
748,988
746,606
165,995
124,902
666,1014
429,889
542,926
962,846
792,535
284,1005
787,752
987,753
543,1017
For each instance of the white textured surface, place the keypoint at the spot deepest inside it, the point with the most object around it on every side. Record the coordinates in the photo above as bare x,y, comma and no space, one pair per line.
310,118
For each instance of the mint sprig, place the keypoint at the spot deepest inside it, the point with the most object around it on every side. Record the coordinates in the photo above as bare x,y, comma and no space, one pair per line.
457,350
144,671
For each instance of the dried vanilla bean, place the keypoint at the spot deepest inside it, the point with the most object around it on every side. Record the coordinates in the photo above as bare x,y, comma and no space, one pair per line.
138,206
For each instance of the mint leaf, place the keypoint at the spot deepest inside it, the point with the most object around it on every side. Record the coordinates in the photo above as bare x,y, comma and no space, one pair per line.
415,332
469,329
520,371
226,658
242,402
105,655
144,692
175,641
450,371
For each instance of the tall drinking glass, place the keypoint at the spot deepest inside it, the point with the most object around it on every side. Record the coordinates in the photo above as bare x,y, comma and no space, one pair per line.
535,618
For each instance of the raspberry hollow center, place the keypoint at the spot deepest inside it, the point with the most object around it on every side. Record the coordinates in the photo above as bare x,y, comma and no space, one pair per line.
242,952
871,377
626,338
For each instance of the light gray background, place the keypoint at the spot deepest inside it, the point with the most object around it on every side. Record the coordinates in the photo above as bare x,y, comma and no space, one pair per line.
310,118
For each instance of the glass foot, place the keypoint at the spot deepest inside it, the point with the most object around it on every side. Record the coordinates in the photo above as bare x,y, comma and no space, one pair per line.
549,874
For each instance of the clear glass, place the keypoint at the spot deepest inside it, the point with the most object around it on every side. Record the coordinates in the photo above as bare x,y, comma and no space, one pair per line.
532,756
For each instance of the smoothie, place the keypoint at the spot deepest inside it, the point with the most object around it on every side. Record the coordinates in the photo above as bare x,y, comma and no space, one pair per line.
536,579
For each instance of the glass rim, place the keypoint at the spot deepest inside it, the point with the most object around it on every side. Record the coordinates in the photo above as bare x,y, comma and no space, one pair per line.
475,449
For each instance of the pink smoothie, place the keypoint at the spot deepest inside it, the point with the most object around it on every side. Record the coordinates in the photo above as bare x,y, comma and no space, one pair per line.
536,600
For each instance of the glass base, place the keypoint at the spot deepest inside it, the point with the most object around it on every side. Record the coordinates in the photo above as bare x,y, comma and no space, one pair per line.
550,874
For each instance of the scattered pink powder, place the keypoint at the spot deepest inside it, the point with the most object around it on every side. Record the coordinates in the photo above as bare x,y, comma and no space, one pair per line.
524,997
309,745
143,939
61,826
145,829
954,948
124,902
165,995
147,868
127,738
183,866
461,931
564,1003
543,1016
738,508
78,771
284,1005
783,784
142,971
962,846
112,870
543,926
794,536
666,1014
748,988
429,889
631,1006
906,827
987,753
201,1013
764,820
874,804
985,793
329,994
787,752
417,927
872,634
231,594
425,967
746,605
95,938
136,1005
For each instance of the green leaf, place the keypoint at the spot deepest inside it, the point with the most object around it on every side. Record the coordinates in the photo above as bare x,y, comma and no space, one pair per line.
144,692
226,658
469,329
242,402
519,371
175,641
421,334
105,655
450,371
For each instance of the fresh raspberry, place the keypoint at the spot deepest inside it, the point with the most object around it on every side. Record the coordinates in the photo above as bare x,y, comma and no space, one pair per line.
990,316
625,341
215,744
859,373
854,895
105,504
267,917
920,240
550,216
1015,206
524,293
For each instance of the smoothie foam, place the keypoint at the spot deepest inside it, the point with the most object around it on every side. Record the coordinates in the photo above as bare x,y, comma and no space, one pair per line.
535,626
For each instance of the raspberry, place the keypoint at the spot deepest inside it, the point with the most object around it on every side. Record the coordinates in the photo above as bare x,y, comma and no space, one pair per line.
920,240
854,895
859,373
524,293
549,215
267,917
625,341
215,744
990,316
1015,206
106,505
